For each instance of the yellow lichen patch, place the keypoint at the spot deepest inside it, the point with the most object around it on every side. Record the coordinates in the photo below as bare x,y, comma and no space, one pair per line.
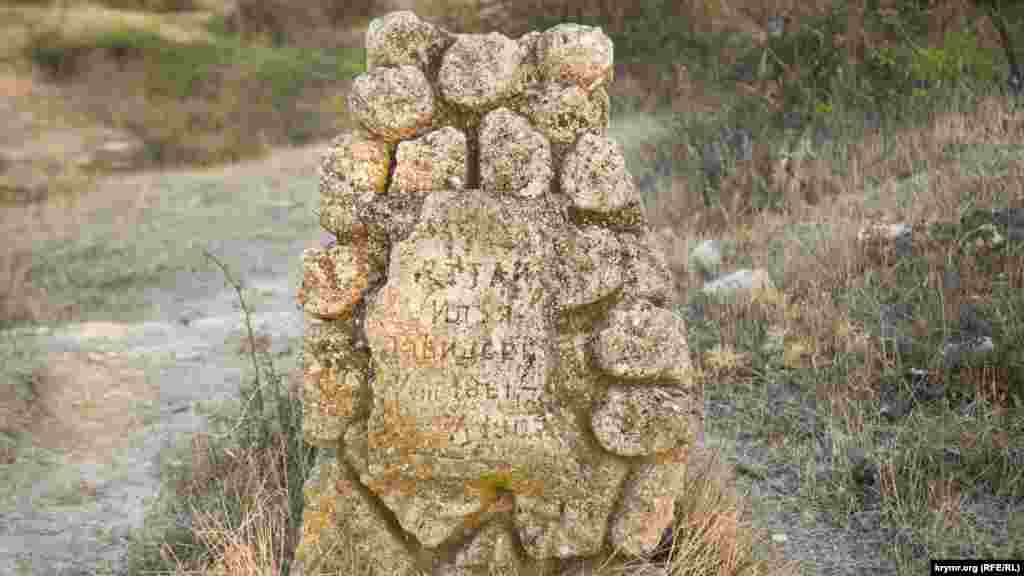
328,405
494,492
333,281
393,481
504,479
677,455
337,391
362,162
423,471
395,337
405,433
316,521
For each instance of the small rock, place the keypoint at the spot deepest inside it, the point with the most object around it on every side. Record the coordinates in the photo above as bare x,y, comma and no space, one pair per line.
711,158
118,151
707,257
740,281
741,143
961,350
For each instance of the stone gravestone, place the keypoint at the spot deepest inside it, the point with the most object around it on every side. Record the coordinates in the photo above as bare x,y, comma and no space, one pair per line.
491,367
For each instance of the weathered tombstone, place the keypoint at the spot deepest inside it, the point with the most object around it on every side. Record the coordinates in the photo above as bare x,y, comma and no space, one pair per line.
491,366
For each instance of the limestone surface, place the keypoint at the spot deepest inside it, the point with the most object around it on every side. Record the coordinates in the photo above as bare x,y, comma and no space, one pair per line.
492,365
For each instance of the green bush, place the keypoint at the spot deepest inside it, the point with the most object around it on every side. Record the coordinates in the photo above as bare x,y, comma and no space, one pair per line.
960,57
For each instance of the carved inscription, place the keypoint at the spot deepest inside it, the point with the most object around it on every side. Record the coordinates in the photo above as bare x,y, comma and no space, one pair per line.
495,411
427,350
459,332
480,361
455,313
466,388
435,274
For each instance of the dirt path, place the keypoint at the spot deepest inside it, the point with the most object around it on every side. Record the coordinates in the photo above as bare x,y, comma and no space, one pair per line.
160,332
